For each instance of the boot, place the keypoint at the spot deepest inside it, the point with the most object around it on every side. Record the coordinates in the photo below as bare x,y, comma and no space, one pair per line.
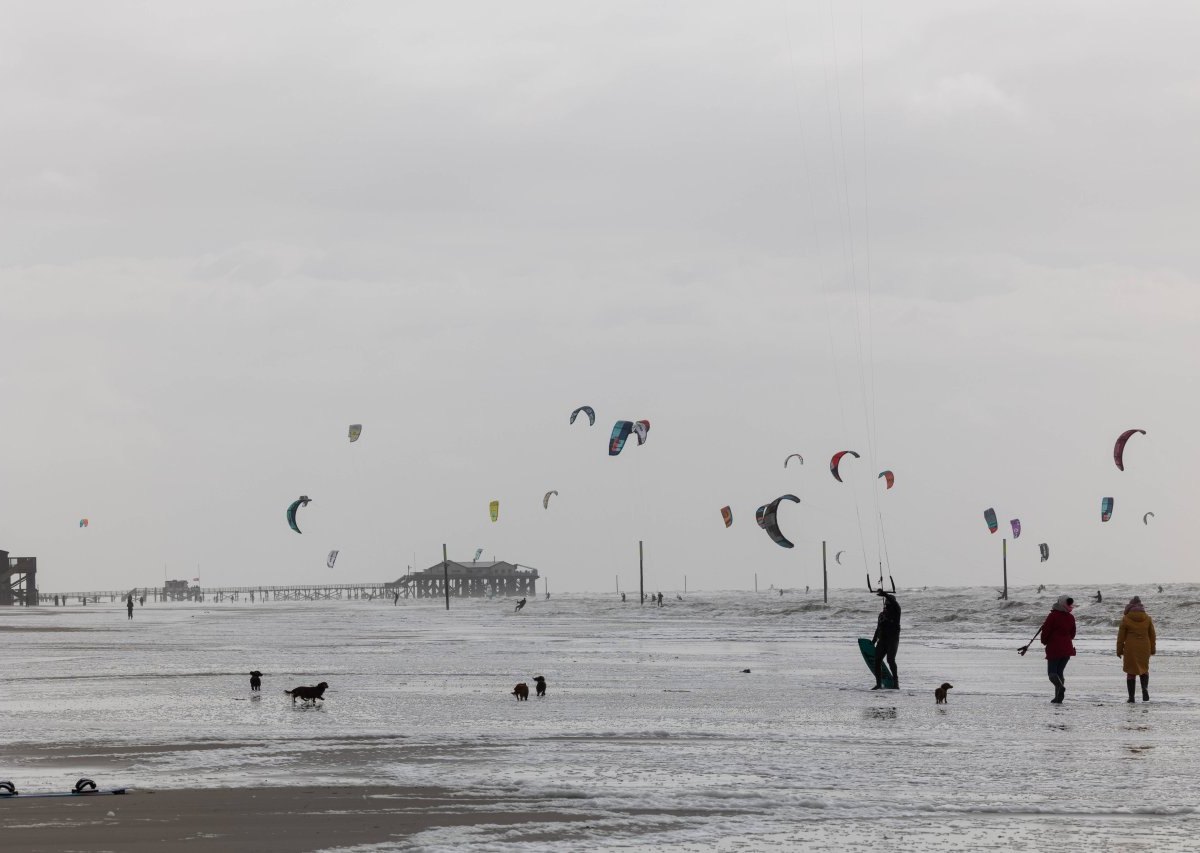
1145,688
1060,690
895,678
1129,684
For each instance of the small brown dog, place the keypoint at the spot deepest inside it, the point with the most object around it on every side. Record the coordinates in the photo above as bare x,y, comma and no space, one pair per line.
308,694
521,691
940,693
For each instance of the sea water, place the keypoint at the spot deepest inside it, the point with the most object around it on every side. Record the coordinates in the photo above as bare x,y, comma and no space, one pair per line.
651,733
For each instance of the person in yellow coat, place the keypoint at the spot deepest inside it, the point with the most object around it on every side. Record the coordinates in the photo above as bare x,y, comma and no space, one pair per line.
1135,645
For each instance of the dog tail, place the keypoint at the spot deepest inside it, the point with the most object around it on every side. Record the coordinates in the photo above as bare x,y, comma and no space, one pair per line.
288,692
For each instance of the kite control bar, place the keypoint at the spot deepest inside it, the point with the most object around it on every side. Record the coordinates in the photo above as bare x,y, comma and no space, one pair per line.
879,589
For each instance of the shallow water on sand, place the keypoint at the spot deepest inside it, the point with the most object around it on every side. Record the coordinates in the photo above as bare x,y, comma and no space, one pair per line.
650,732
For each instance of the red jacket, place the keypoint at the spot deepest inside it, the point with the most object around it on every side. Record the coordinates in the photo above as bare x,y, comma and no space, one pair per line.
1057,633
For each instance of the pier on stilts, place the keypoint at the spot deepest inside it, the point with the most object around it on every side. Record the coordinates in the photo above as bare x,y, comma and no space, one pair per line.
466,579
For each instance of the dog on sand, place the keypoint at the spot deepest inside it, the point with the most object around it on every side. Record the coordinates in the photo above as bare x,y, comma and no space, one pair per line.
308,694
255,680
539,682
521,691
940,694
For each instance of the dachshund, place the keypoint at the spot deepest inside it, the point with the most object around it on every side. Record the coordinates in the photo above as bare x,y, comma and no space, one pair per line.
308,694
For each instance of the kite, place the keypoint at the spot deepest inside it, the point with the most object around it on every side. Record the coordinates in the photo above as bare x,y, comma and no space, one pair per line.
770,523
793,456
989,515
1119,450
546,498
727,515
620,432
642,430
888,476
355,432
331,559
1106,508
83,522
1045,549
303,500
478,554
837,558
494,510
1016,528
836,460
1146,518
587,410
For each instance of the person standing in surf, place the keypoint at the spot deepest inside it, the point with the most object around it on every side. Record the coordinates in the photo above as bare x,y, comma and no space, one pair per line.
887,639
129,605
1057,633
1135,645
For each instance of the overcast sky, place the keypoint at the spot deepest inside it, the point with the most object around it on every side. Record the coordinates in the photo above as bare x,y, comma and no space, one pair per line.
958,238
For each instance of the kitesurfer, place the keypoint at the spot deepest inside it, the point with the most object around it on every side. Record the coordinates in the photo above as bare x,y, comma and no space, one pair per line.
1057,633
887,638
1135,645
1160,588
520,604
622,598
1099,598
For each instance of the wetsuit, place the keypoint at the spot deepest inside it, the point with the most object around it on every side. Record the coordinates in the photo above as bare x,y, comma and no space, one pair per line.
887,640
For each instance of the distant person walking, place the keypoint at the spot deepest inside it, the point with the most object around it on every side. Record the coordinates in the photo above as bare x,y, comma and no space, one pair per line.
1135,646
129,605
887,639
1057,633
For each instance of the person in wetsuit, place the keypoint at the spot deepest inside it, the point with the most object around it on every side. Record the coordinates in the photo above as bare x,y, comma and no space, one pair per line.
520,604
887,639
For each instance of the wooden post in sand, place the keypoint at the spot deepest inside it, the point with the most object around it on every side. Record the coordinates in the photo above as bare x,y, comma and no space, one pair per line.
824,572
641,574
1005,546
446,575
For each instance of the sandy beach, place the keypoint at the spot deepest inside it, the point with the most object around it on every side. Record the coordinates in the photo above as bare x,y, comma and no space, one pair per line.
251,819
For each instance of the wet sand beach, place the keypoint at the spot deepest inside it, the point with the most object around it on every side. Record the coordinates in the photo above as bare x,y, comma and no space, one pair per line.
259,820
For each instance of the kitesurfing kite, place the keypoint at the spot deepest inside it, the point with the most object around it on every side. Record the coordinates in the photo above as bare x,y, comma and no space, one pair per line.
83,522
587,410
727,515
1106,508
793,456
837,558
1119,450
642,430
1016,528
770,523
331,559
989,515
546,498
1045,549
478,554
355,432
837,460
303,500
494,510
888,477
1146,518
620,432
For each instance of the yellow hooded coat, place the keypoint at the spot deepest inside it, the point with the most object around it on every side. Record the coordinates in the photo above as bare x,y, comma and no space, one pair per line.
1135,642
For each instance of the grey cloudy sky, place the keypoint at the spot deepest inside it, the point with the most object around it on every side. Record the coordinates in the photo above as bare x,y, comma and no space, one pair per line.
232,229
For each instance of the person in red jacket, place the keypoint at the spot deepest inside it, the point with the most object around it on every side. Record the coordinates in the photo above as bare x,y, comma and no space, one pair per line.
1057,633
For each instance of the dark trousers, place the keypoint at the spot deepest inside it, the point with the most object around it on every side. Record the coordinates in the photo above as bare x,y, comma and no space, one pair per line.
886,647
